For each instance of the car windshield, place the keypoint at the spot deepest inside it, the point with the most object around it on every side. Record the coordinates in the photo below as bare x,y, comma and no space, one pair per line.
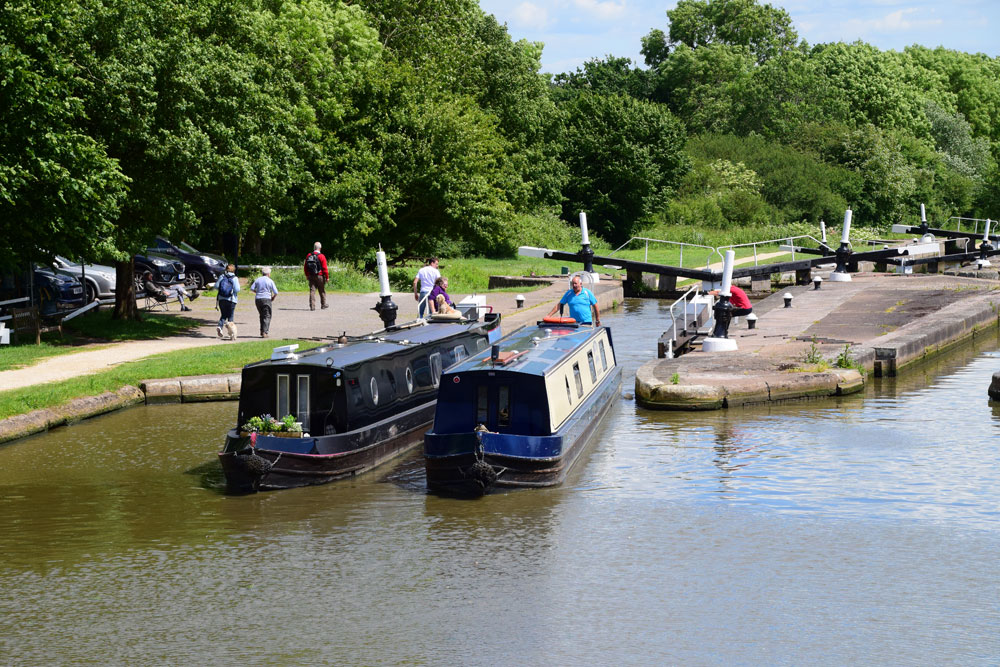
186,248
65,262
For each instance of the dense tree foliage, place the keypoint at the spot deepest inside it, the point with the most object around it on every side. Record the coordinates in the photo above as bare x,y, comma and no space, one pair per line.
422,126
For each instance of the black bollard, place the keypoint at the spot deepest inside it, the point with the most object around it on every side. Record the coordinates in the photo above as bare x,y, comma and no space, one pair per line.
723,312
386,310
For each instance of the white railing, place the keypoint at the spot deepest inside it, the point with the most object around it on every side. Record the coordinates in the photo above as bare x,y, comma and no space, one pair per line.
684,304
959,221
784,243
681,245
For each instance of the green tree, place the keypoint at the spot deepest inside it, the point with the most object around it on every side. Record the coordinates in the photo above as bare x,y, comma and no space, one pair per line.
703,86
764,30
609,75
60,192
625,157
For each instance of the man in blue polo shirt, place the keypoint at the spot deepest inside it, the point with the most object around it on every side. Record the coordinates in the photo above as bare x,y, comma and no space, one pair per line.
581,302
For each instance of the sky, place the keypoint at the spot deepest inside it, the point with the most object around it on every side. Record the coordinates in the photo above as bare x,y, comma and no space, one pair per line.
575,31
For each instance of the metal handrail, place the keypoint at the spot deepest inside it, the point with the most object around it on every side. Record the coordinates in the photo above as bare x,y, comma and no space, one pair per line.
718,250
785,240
958,222
682,245
685,300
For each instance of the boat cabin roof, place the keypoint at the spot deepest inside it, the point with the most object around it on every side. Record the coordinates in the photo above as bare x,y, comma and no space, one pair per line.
360,349
532,350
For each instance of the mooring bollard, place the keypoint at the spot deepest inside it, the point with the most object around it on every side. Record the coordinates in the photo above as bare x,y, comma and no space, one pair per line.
843,253
985,248
751,321
385,308
719,341
788,299
817,282
520,300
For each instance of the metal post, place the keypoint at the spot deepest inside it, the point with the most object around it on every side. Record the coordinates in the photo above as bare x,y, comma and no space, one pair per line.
840,274
385,308
585,252
985,247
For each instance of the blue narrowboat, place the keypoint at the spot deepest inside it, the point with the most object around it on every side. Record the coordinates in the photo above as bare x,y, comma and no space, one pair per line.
360,401
521,413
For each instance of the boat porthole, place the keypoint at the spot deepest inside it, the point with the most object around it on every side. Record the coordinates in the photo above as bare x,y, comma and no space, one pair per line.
409,380
374,388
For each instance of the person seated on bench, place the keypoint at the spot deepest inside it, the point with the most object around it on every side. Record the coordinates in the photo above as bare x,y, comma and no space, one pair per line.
161,294
739,300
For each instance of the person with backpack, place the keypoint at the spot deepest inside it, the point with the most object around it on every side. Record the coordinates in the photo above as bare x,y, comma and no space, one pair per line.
317,274
227,287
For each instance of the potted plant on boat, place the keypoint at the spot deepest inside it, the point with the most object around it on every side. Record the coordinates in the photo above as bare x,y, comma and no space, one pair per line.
286,427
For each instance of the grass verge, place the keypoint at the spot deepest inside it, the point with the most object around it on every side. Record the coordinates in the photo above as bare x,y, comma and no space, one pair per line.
94,327
209,360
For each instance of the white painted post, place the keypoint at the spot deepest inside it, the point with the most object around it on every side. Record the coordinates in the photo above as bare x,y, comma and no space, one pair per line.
845,236
383,273
583,228
984,246
822,228
714,344
840,274
923,215
727,272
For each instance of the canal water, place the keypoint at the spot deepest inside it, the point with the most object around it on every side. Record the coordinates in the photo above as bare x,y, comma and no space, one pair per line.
857,530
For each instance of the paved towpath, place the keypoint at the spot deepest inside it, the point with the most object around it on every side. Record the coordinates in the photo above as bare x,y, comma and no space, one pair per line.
883,321
347,312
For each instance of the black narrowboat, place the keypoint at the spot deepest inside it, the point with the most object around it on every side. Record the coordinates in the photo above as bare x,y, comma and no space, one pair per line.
360,401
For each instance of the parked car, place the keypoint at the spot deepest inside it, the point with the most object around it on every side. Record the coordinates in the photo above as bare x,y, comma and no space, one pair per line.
202,268
53,293
165,270
99,280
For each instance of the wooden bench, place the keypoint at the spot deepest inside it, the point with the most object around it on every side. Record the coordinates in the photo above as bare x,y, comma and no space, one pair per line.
28,321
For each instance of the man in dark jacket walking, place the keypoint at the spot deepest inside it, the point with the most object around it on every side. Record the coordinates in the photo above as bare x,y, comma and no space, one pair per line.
317,274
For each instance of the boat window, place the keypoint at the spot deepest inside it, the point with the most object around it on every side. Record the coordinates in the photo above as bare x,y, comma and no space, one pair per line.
409,380
569,394
283,399
482,406
435,361
302,400
373,385
459,353
480,344
503,405
604,358
578,378
593,367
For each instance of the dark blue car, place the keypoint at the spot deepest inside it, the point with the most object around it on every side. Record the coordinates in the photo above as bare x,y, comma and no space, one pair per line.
202,268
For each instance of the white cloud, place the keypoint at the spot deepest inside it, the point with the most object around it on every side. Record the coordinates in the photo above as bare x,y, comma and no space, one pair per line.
897,21
603,11
529,16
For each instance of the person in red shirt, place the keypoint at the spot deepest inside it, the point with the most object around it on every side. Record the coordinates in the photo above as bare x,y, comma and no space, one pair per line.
317,273
738,299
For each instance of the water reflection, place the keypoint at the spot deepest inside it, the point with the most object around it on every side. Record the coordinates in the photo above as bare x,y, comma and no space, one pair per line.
853,528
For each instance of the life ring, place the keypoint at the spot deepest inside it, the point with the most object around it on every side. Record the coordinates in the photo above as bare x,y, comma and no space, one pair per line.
552,319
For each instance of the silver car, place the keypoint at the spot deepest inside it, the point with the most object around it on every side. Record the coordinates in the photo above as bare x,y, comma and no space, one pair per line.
99,279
